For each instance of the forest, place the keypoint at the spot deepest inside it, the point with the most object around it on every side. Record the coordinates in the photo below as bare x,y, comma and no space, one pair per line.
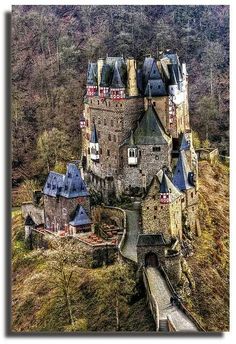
52,45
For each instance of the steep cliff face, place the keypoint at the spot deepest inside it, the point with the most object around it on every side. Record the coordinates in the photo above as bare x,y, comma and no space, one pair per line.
210,261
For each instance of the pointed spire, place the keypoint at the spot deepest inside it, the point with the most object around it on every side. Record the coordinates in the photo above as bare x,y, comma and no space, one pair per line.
94,136
149,95
163,185
131,139
182,172
116,79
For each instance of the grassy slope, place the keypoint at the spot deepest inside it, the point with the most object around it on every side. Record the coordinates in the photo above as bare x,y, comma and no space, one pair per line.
35,306
210,262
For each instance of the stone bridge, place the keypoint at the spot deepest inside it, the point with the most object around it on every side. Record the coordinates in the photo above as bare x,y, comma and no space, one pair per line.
168,316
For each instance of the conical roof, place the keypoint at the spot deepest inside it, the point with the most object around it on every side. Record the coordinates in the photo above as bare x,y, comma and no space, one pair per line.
182,172
94,135
116,78
163,185
92,74
105,76
150,129
80,218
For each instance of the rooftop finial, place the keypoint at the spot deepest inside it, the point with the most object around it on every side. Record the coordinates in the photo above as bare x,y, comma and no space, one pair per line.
149,95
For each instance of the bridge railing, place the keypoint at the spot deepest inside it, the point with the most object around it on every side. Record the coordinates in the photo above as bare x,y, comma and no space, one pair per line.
151,300
181,305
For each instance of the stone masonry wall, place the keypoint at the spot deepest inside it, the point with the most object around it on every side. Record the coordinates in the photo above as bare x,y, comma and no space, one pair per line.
161,218
149,163
59,211
114,120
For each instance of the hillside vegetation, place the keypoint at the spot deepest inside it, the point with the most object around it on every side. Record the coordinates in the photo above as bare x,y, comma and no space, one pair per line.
210,262
52,45
40,296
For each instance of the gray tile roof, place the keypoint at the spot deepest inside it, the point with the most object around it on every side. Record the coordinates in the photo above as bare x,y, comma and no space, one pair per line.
158,88
185,144
166,185
69,185
105,76
116,78
92,74
80,218
182,174
150,129
151,240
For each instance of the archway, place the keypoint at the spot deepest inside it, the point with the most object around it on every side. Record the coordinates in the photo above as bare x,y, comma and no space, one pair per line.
151,260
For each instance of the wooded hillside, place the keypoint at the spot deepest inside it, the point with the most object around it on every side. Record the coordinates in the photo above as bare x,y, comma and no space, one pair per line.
51,47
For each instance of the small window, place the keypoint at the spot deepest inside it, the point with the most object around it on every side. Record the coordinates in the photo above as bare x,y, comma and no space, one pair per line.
108,152
109,137
159,86
112,123
98,102
155,208
192,194
154,103
99,121
192,208
105,122
88,150
114,138
156,149
100,151
147,207
154,217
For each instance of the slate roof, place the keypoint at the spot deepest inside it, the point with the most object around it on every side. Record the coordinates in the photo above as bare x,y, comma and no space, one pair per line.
94,135
92,74
173,80
185,145
69,185
182,173
116,78
166,185
29,221
105,76
151,240
81,218
150,129
157,88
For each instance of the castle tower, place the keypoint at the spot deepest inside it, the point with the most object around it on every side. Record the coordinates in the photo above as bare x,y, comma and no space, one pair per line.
92,80
117,88
184,179
132,78
94,146
161,208
100,63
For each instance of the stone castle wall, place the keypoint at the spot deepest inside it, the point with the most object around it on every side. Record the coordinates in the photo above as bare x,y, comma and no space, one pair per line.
149,163
58,211
114,120
161,218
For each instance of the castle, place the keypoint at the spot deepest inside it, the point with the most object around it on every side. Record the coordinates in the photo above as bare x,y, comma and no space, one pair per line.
137,142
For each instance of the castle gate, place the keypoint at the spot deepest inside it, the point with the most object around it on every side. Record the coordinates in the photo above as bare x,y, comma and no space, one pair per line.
151,260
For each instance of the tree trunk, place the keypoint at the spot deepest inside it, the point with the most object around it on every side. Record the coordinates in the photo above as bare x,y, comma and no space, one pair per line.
117,315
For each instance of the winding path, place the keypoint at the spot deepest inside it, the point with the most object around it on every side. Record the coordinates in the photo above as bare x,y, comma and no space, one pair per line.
129,249
162,294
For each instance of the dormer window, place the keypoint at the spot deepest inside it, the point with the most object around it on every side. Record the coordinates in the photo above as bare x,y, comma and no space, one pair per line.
133,156
164,198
